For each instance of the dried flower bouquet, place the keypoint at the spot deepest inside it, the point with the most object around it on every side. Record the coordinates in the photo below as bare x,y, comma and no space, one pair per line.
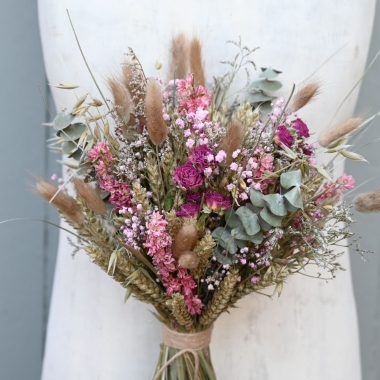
193,203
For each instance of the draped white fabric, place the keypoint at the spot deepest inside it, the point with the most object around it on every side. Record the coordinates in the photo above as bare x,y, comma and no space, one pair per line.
310,332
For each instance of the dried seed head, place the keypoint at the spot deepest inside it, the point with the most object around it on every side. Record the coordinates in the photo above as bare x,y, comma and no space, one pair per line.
188,260
196,62
91,197
122,100
156,125
62,201
367,202
185,240
232,140
339,130
305,95
180,57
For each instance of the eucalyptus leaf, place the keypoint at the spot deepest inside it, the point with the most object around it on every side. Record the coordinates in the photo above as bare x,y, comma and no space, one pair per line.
240,233
259,97
252,208
256,198
69,147
258,238
76,155
268,85
249,220
276,204
294,197
224,238
289,206
270,218
269,73
241,243
290,179
72,132
264,225
223,258
232,219
266,107
63,120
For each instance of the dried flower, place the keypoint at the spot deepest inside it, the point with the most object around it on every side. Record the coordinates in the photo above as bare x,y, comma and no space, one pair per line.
122,100
185,239
304,95
188,260
283,136
367,202
216,201
301,128
196,63
180,57
339,130
91,197
188,210
187,176
61,201
199,157
156,125
232,140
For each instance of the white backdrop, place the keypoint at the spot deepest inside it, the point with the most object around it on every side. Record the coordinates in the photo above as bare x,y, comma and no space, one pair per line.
311,331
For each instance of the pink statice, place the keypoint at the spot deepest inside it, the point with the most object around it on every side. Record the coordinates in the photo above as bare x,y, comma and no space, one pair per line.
175,279
120,195
335,190
192,99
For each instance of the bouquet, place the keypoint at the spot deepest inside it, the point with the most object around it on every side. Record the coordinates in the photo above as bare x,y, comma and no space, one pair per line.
192,201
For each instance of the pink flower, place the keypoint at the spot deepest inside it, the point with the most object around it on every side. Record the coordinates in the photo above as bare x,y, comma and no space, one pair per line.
346,182
199,157
188,210
216,201
187,176
194,197
220,156
301,128
100,150
283,136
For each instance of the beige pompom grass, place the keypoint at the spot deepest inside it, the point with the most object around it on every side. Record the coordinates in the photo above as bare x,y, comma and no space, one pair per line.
196,62
339,130
367,202
305,95
91,197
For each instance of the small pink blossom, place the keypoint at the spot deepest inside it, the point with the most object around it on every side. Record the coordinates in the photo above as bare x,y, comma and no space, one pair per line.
220,156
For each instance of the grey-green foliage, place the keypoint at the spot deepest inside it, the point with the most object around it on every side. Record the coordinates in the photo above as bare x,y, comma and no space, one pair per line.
248,222
70,133
263,89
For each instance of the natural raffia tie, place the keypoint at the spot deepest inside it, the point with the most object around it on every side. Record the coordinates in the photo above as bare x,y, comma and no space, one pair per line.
186,343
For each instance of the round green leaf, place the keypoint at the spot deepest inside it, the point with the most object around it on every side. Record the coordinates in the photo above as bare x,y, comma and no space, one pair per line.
270,218
276,204
63,120
266,107
249,220
232,219
269,73
291,179
256,198
259,97
269,85
294,197
68,147
72,132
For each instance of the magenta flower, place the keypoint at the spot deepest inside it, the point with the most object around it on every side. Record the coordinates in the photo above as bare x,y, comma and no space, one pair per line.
198,156
194,197
188,176
188,210
283,136
301,128
216,201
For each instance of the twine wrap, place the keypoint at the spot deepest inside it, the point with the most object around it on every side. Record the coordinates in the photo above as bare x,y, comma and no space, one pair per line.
186,343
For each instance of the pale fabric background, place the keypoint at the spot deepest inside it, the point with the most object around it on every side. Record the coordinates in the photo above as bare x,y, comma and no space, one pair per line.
24,296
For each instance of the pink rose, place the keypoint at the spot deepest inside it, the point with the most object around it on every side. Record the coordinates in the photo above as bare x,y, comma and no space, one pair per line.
301,128
187,176
216,201
188,210
283,136
198,156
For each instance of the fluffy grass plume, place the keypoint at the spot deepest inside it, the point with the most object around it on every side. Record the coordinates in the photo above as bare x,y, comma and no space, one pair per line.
232,140
61,201
91,197
338,130
367,202
156,125
122,99
305,95
196,62
180,57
